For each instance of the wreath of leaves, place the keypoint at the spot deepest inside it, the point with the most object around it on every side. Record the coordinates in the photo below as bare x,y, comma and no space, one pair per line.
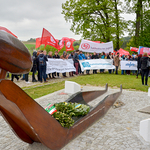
65,112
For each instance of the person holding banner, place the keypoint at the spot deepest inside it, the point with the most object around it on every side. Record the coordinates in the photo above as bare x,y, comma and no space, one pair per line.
88,57
64,56
116,62
95,56
144,68
50,55
102,57
109,56
81,57
128,59
76,61
56,56
71,57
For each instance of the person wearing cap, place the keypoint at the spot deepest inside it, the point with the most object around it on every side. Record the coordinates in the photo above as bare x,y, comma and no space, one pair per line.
116,62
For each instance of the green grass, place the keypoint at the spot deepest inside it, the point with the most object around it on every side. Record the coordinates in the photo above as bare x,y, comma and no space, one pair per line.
36,92
128,82
113,80
30,46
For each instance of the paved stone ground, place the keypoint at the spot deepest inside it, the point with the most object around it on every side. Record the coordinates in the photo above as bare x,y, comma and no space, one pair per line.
117,130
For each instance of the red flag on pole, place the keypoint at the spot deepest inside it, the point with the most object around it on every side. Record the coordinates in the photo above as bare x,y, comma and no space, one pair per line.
69,45
38,42
6,30
48,39
61,44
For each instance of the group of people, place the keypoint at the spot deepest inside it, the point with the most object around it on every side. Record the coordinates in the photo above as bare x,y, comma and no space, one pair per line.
40,57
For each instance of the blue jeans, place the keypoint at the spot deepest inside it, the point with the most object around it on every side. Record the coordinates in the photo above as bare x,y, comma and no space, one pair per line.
109,71
42,70
122,71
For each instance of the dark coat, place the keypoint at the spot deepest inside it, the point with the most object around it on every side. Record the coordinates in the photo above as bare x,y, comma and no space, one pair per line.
76,58
41,55
95,57
139,62
144,62
57,57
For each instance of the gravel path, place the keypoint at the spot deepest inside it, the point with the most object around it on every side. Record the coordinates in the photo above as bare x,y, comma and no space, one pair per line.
118,129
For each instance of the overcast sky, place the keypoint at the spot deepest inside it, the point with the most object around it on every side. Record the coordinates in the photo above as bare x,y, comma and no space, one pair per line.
26,19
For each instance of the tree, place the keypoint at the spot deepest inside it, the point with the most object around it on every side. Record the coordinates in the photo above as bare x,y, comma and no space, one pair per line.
31,40
144,35
139,7
95,20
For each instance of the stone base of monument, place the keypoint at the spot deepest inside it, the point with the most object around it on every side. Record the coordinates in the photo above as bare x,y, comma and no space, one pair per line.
72,87
145,129
148,91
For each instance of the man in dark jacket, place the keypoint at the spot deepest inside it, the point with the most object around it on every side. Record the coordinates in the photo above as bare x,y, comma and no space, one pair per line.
76,60
42,66
95,56
144,68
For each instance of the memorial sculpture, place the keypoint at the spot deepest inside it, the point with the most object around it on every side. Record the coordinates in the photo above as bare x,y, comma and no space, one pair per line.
28,120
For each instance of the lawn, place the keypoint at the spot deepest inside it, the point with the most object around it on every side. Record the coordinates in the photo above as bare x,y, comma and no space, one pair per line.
128,82
30,46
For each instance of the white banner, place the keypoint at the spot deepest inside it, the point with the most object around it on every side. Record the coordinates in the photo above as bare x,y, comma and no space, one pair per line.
59,65
89,46
128,65
96,64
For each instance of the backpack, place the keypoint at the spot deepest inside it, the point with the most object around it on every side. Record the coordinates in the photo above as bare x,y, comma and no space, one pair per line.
42,61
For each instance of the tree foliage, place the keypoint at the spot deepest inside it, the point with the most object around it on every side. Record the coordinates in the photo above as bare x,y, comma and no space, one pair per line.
139,32
96,19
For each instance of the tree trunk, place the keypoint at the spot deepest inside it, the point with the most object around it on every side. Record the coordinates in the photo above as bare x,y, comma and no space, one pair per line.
117,26
138,20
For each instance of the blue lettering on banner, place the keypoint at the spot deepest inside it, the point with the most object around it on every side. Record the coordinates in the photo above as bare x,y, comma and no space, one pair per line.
86,64
130,64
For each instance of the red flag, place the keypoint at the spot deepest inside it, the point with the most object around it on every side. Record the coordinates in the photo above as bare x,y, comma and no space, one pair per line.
61,44
72,39
38,42
6,30
134,49
69,45
48,39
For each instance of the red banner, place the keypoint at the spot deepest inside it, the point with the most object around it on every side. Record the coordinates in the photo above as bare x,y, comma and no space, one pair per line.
48,39
6,30
69,45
